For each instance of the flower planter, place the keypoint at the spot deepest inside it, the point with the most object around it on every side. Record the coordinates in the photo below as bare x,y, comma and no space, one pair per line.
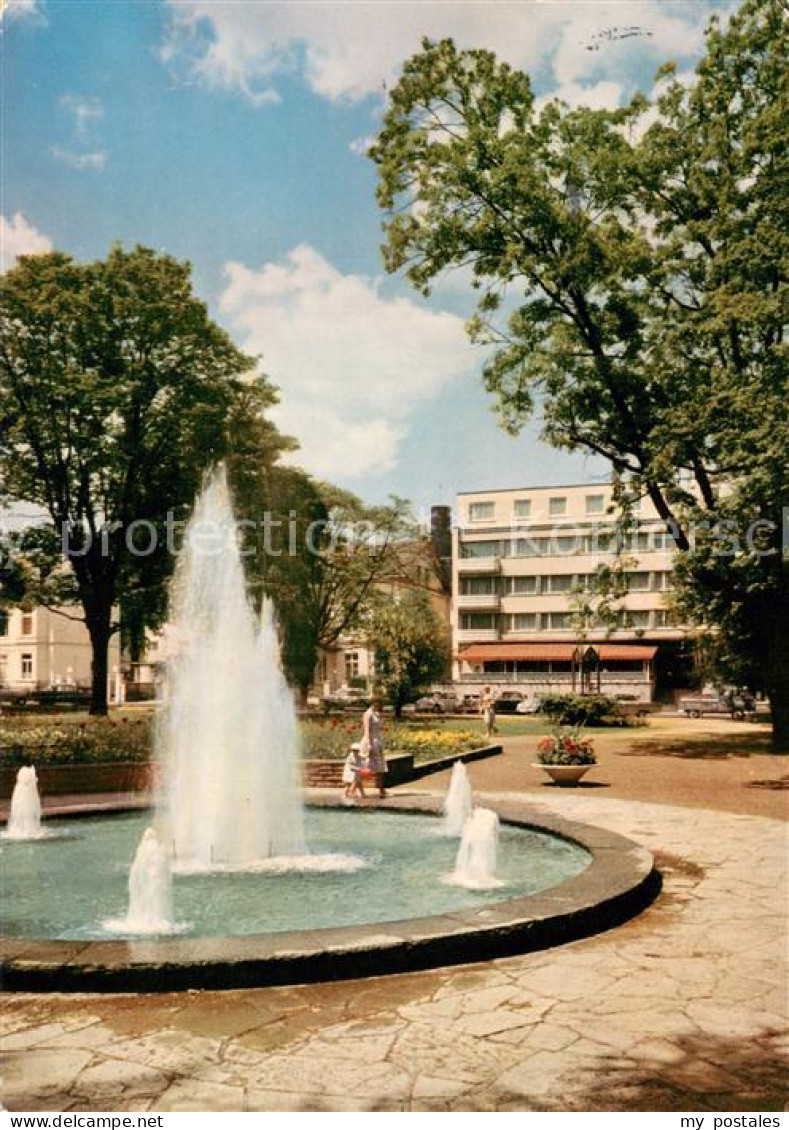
565,774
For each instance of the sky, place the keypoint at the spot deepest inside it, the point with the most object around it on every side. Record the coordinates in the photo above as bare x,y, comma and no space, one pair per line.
233,134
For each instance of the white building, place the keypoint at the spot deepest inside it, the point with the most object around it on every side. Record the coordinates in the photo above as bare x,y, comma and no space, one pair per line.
521,558
41,650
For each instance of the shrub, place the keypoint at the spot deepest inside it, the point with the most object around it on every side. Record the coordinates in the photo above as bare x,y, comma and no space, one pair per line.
64,742
581,710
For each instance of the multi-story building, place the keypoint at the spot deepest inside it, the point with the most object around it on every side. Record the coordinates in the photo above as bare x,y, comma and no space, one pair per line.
522,561
42,649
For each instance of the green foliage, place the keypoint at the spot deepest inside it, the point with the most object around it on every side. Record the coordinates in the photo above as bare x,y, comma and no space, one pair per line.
645,266
331,739
411,648
581,710
320,553
41,742
117,392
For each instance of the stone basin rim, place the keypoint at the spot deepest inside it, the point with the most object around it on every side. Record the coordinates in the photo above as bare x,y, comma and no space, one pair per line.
619,882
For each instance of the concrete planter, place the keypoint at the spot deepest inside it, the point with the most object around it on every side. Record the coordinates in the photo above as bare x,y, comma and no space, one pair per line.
88,777
565,774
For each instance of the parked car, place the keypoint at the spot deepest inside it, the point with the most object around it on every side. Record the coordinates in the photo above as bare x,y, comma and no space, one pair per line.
508,702
469,704
736,704
346,698
631,706
529,706
438,702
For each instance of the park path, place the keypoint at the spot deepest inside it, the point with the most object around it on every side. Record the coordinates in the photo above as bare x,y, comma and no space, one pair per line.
681,1009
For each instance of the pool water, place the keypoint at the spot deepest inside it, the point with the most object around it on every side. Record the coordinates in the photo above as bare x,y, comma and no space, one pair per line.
66,887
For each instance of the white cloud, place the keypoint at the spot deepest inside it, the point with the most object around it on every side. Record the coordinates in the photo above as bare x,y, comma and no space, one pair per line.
22,9
347,51
81,161
18,237
360,145
352,365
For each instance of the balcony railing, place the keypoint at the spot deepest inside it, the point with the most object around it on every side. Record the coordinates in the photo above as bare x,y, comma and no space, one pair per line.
486,602
477,635
468,565
607,677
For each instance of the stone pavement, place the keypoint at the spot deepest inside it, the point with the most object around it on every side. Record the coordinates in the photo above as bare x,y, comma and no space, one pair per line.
681,1009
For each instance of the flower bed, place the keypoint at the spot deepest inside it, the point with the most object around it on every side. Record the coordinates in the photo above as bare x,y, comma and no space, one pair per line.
100,740
331,739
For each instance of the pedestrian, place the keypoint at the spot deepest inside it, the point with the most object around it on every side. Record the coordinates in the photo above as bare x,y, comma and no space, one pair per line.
487,707
353,773
372,742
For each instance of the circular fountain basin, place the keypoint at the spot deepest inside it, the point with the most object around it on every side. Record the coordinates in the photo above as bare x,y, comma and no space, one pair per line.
386,908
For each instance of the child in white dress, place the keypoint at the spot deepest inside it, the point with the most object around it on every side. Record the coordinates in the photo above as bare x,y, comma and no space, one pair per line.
355,763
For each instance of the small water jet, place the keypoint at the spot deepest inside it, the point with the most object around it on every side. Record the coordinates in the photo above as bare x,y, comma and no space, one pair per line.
458,802
150,891
475,865
24,821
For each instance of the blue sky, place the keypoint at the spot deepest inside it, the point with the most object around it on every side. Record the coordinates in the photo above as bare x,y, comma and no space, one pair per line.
230,134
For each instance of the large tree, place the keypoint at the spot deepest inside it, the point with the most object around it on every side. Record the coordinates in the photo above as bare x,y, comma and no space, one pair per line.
642,255
410,645
116,392
320,553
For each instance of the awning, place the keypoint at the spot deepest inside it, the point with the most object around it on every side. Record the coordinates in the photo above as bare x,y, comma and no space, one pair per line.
545,652
624,651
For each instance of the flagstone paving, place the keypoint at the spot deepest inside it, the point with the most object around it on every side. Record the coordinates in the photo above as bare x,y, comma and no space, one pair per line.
684,1008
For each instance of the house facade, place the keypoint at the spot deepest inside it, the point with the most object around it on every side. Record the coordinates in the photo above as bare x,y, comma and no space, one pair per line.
524,561
424,565
43,649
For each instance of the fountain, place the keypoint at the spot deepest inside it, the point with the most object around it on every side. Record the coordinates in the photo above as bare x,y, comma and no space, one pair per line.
228,743
475,866
150,891
230,826
24,821
458,802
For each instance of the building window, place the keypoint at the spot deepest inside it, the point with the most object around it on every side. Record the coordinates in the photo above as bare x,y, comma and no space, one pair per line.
563,583
478,586
27,665
481,511
664,618
637,582
661,582
595,503
481,549
633,619
3,622
523,586
567,545
662,541
351,665
27,623
557,506
558,621
524,622
522,508
478,621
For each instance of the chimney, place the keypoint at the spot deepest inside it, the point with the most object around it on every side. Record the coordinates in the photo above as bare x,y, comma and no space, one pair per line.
441,537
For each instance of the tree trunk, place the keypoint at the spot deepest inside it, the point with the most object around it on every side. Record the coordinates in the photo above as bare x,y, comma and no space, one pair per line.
779,709
99,630
777,677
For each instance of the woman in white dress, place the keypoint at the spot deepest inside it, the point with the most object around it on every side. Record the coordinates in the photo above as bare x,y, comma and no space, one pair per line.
372,742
